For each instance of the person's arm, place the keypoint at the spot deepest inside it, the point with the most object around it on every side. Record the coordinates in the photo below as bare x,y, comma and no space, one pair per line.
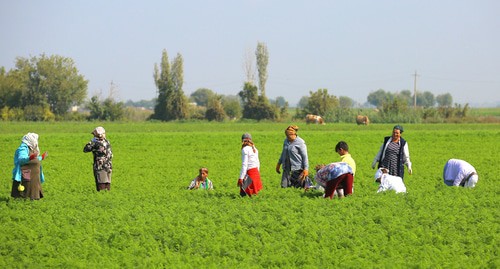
281,159
378,156
23,156
193,184
305,158
407,161
244,162
89,146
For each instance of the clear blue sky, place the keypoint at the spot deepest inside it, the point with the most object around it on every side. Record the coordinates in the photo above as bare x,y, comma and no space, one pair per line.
351,48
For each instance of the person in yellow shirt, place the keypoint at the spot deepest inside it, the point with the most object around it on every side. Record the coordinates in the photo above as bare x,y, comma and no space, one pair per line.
343,150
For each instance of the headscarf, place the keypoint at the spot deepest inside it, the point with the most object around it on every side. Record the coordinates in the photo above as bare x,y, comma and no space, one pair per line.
399,127
292,129
31,139
246,140
99,132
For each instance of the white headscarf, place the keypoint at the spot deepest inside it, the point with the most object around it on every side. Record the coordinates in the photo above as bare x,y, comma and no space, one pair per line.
31,139
99,132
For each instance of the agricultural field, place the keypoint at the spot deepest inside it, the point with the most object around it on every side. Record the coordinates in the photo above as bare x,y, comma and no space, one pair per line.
150,220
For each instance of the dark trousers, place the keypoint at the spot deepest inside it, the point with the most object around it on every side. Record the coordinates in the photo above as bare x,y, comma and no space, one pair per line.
346,180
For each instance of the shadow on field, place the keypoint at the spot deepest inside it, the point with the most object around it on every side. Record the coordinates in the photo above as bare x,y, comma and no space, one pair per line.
312,194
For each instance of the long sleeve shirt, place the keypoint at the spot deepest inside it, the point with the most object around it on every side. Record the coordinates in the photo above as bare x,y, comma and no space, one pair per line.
295,153
389,182
249,160
456,170
381,153
22,157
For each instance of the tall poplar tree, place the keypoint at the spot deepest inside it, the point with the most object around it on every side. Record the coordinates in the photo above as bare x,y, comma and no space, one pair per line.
262,60
169,79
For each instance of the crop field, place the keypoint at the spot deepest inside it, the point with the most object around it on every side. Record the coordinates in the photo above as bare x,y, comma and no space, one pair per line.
150,220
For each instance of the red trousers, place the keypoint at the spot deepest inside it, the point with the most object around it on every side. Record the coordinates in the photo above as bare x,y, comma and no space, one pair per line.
331,186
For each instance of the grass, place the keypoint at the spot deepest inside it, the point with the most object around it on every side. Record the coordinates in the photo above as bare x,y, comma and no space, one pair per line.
150,220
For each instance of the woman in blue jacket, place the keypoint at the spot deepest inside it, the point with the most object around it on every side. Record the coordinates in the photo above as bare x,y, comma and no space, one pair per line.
27,175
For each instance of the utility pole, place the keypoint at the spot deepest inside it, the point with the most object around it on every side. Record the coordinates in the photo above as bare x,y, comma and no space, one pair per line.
415,89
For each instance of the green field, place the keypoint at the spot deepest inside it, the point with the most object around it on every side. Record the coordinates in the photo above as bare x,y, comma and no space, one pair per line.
150,220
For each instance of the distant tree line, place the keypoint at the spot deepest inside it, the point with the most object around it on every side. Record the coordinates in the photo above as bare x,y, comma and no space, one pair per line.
45,88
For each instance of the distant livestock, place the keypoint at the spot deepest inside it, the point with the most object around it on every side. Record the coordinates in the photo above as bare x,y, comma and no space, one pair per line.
310,118
362,120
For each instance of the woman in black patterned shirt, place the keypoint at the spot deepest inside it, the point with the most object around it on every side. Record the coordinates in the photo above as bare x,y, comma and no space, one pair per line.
103,167
394,154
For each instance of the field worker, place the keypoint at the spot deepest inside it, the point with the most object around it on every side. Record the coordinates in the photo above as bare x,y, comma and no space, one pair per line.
460,173
332,175
343,150
103,167
201,182
249,180
389,182
394,154
294,160
27,175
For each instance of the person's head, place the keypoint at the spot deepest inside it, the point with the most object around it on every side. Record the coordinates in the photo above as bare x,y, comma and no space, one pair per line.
203,173
380,172
99,133
471,183
319,167
342,148
246,140
291,132
31,139
396,132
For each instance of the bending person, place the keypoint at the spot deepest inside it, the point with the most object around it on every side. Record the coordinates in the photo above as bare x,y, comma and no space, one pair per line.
460,173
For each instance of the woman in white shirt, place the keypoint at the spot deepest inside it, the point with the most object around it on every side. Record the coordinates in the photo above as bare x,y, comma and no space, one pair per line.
249,180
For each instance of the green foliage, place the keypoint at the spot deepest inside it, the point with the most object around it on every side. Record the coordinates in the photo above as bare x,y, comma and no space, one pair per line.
106,110
444,100
262,56
171,103
150,220
215,111
232,106
254,106
321,103
38,83
201,96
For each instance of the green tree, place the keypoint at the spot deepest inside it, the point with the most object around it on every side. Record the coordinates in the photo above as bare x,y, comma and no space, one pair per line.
201,96
444,100
280,101
379,97
232,106
345,102
107,110
425,99
255,106
303,102
45,82
407,96
215,110
262,60
171,103
321,103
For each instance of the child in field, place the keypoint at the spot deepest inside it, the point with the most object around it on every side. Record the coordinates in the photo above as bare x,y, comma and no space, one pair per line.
343,150
103,167
201,182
